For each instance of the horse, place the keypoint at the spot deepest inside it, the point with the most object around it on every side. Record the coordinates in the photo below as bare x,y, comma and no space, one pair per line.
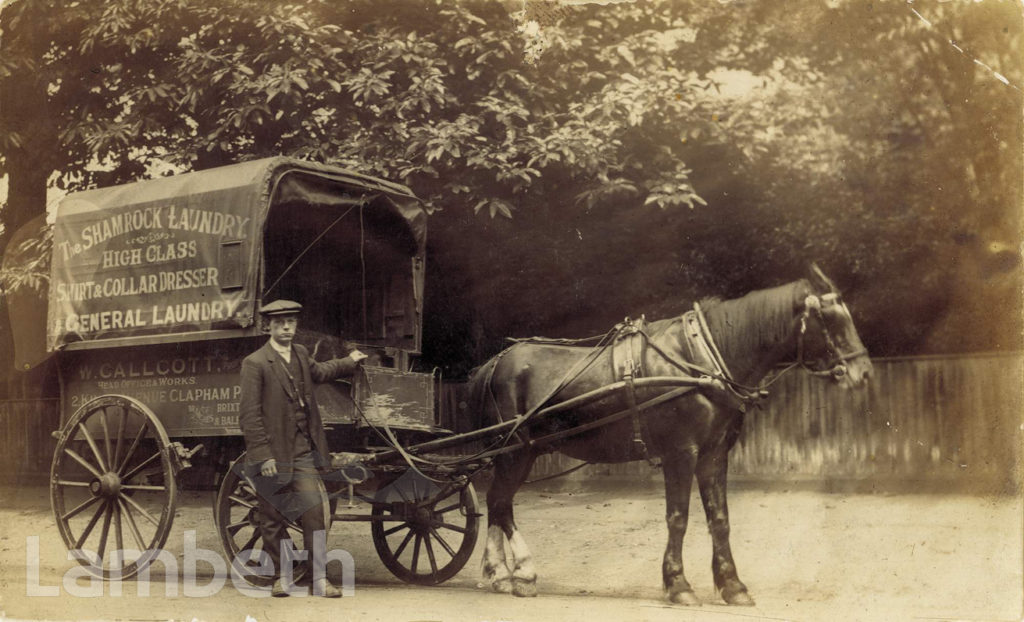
730,345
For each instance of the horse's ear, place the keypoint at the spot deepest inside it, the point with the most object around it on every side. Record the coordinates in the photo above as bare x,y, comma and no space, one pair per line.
819,281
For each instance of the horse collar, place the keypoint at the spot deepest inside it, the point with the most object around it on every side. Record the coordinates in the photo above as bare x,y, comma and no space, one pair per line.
703,344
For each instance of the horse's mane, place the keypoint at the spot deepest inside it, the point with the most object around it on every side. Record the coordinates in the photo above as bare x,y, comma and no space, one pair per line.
760,318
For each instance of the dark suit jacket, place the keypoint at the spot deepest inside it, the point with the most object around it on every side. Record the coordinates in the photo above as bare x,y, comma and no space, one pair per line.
268,404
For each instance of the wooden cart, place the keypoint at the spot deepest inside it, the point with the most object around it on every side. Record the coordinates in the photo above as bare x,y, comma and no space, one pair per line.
152,306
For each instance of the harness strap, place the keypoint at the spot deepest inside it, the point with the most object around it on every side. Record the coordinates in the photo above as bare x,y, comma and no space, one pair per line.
627,360
639,424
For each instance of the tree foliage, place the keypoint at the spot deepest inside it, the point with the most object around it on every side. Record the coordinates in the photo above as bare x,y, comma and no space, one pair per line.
582,161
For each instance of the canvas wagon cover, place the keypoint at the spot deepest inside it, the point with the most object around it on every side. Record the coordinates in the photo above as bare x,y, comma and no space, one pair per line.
182,254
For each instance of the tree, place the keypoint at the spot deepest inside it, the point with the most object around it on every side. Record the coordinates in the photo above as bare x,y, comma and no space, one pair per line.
654,151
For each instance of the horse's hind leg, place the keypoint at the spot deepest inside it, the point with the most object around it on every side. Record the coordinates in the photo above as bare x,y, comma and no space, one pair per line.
711,478
678,470
510,471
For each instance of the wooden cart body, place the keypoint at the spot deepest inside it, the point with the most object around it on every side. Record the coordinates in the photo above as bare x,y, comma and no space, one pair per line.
155,285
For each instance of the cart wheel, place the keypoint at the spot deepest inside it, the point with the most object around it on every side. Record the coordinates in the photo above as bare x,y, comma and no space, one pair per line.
113,465
237,515
423,531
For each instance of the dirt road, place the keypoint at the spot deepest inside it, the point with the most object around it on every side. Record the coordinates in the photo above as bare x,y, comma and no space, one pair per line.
804,556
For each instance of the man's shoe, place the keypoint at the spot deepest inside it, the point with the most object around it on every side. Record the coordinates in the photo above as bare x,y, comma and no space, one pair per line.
280,589
323,587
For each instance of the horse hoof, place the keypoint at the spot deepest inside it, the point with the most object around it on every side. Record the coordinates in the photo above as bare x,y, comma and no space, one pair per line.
686,597
740,599
502,586
526,589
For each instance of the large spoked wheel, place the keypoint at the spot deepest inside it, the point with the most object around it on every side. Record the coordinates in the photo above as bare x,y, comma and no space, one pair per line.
237,515
112,486
425,531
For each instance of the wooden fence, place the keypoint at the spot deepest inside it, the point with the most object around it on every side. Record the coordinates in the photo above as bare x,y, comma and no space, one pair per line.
922,418
26,445
937,420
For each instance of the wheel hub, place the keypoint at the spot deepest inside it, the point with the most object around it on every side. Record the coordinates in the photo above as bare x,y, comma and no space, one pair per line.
108,485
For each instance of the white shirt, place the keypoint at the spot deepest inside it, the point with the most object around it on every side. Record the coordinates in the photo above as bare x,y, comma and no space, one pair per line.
284,351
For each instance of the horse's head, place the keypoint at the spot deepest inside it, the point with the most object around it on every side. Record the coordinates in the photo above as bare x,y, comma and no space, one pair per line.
828,343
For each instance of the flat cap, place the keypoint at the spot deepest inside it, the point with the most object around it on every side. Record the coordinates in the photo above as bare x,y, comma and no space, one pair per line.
280,307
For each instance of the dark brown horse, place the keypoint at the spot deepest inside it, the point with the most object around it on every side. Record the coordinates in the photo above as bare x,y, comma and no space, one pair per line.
733,344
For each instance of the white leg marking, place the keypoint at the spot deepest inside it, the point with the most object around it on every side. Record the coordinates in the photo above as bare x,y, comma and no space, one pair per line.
524,574
495,567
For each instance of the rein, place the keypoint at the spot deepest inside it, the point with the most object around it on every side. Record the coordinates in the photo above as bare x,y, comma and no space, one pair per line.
720,377
836,362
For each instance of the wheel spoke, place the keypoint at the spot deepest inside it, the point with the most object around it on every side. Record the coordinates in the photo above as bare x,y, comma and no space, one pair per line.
140,509
79,508
405,541
143,465
430,556
450,526
118,537
122,421
67,482
106,437
92,445
142,487
416,554
251,541
241,501
448,508
102,550
132,525
82,461
92,523
397,528
234,528
134,445
447,548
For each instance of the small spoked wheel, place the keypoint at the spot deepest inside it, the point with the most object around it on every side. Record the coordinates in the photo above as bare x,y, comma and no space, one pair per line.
112,486
425,531
237,515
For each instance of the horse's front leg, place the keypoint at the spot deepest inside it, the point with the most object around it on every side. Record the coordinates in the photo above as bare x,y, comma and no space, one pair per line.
678,470
711,478
524,573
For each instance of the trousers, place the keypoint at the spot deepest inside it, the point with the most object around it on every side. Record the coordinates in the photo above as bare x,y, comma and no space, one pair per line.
300,500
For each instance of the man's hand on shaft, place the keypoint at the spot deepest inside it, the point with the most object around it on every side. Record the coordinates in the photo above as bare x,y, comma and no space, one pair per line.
357,356
269,468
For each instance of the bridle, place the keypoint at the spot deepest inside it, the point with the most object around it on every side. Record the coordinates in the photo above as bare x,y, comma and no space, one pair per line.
835,364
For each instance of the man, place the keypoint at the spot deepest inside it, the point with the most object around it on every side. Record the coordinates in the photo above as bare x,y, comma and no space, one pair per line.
285,440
